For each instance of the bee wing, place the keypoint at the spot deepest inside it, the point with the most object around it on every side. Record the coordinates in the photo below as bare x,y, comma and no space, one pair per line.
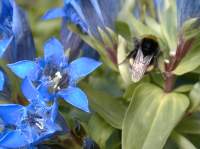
139,66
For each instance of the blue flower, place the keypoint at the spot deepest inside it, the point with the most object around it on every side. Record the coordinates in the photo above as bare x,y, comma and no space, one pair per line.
2,80
54,77
88,14
187,9
71,12
16,42
25,126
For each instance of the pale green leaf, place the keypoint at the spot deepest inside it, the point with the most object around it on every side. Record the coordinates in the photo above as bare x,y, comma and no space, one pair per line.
121,56
151,117
183,88
194,97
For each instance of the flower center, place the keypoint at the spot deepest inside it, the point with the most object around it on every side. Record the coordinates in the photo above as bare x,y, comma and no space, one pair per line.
36,121
57,79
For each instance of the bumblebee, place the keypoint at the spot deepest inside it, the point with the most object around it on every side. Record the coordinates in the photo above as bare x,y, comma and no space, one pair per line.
144,56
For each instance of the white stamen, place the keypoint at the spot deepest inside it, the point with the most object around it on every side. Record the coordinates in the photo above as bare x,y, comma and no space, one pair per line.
58,75
166,61
173,53
57,78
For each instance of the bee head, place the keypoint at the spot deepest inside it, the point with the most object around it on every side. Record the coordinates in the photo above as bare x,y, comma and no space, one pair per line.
149,45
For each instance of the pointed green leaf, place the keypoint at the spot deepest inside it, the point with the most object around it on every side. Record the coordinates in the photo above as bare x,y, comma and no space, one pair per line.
151,117
111,109
105,38
191,61
195,98
123,29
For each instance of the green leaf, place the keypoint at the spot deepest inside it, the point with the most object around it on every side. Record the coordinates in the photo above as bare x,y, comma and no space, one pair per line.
194,98
190,28
111,109
99,130
183,88
96,44
114,141
151,117
104,36
131,88
190,124
181,141
191,60
194,139
138,27
121,56
128,6
123,29
197,70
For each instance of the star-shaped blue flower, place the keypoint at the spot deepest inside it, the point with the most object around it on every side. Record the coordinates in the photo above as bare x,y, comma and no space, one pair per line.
25,126
16,41
54,77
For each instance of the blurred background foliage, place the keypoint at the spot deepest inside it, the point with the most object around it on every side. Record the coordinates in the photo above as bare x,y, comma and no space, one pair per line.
42,30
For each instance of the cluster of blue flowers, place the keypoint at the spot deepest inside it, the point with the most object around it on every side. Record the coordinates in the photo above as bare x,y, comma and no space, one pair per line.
44,80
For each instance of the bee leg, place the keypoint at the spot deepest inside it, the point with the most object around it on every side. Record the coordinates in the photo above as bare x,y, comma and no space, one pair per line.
130,55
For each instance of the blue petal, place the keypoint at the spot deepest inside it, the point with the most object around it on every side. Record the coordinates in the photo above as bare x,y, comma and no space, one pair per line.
54,111
187,9
29,91
45,93
97,8
2,80
54,13
74,16
77,8
23,68
24,48
81,67
53,49
76,97
11,113
14,139
4,43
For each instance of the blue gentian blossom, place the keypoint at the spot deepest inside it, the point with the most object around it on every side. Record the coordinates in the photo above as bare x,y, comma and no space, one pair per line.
26,126
92,13
71,12
54,77
16,42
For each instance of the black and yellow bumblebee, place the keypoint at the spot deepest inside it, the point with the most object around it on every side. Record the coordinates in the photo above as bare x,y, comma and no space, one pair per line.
143,58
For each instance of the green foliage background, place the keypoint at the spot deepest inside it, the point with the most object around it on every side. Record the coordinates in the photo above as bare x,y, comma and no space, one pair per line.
42,30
